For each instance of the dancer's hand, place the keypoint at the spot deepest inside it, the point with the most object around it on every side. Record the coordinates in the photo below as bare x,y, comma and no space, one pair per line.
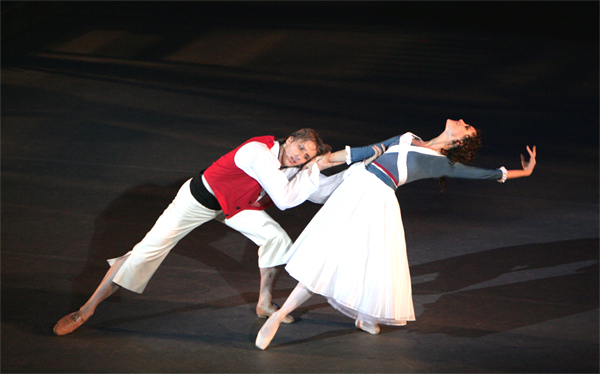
378,152
263,201
325,161
528,166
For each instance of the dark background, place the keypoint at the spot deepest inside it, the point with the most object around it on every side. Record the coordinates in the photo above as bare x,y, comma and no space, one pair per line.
108,107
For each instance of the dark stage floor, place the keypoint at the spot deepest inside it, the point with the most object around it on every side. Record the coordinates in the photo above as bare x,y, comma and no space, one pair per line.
107,109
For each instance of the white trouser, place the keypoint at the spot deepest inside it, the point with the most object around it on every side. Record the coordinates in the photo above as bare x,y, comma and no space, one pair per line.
183,215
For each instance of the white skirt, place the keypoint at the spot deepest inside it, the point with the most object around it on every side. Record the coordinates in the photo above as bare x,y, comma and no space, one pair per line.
353,252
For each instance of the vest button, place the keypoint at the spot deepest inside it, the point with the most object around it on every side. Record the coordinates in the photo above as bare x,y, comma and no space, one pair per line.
237,207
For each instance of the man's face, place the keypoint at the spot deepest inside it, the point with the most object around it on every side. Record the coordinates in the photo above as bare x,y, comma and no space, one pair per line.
297,152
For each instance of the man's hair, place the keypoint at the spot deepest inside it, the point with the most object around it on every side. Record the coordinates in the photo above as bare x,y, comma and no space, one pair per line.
309,134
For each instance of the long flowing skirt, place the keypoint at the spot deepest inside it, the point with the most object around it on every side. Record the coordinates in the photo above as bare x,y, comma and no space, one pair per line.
353,252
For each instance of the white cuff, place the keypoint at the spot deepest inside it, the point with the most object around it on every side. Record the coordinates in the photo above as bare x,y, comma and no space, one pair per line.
504,174
348,155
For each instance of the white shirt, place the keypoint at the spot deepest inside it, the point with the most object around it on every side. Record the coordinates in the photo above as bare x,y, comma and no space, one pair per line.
287,187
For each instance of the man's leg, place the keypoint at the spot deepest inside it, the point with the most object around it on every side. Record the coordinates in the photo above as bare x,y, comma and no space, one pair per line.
134,270
268,279
265,307
273,244
107,287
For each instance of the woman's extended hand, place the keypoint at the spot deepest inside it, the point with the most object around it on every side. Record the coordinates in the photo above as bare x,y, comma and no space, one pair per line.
528,166
378,152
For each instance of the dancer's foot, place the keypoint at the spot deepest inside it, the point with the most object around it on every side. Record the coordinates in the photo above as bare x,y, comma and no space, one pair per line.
69,323
267,312
262,342
371,328
267,332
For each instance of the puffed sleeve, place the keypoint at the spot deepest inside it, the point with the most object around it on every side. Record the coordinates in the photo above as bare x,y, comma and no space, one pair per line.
257,160
327,185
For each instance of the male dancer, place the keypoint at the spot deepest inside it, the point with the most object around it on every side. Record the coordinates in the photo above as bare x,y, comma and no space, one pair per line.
236,189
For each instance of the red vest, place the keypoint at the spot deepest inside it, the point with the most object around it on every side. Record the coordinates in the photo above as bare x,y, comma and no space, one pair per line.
234,189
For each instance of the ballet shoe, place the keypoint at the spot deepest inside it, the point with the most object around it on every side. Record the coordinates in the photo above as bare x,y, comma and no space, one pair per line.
371,328
262,342
266,313
68,324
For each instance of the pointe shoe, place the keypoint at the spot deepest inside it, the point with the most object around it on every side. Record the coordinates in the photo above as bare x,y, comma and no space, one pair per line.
266,313
262,342
68,324
371,328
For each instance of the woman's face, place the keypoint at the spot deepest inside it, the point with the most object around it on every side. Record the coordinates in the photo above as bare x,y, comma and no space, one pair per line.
296,152
456,130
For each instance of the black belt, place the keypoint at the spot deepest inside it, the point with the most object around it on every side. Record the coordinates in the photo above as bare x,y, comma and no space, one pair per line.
202,194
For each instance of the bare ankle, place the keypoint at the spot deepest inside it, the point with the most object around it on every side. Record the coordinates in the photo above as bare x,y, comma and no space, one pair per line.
86,313
263,304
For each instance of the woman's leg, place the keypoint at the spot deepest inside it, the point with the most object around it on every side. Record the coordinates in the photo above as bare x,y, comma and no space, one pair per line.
298,296
370,327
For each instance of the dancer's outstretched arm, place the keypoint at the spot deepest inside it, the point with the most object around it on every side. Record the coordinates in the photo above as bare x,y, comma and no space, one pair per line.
340,156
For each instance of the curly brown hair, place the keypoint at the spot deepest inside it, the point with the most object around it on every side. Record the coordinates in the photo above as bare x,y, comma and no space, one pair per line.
465,150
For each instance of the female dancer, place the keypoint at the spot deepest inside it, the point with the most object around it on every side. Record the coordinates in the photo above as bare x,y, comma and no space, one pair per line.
353,251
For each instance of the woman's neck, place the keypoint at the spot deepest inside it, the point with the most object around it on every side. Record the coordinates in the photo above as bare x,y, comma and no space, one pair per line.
437,144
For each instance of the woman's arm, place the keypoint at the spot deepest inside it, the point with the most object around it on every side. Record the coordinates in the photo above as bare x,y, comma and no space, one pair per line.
421,166
337,158
378,152
528,166
326,161
368,151
426,166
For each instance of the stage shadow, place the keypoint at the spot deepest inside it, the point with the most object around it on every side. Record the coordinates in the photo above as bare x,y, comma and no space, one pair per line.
503,289
125,222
